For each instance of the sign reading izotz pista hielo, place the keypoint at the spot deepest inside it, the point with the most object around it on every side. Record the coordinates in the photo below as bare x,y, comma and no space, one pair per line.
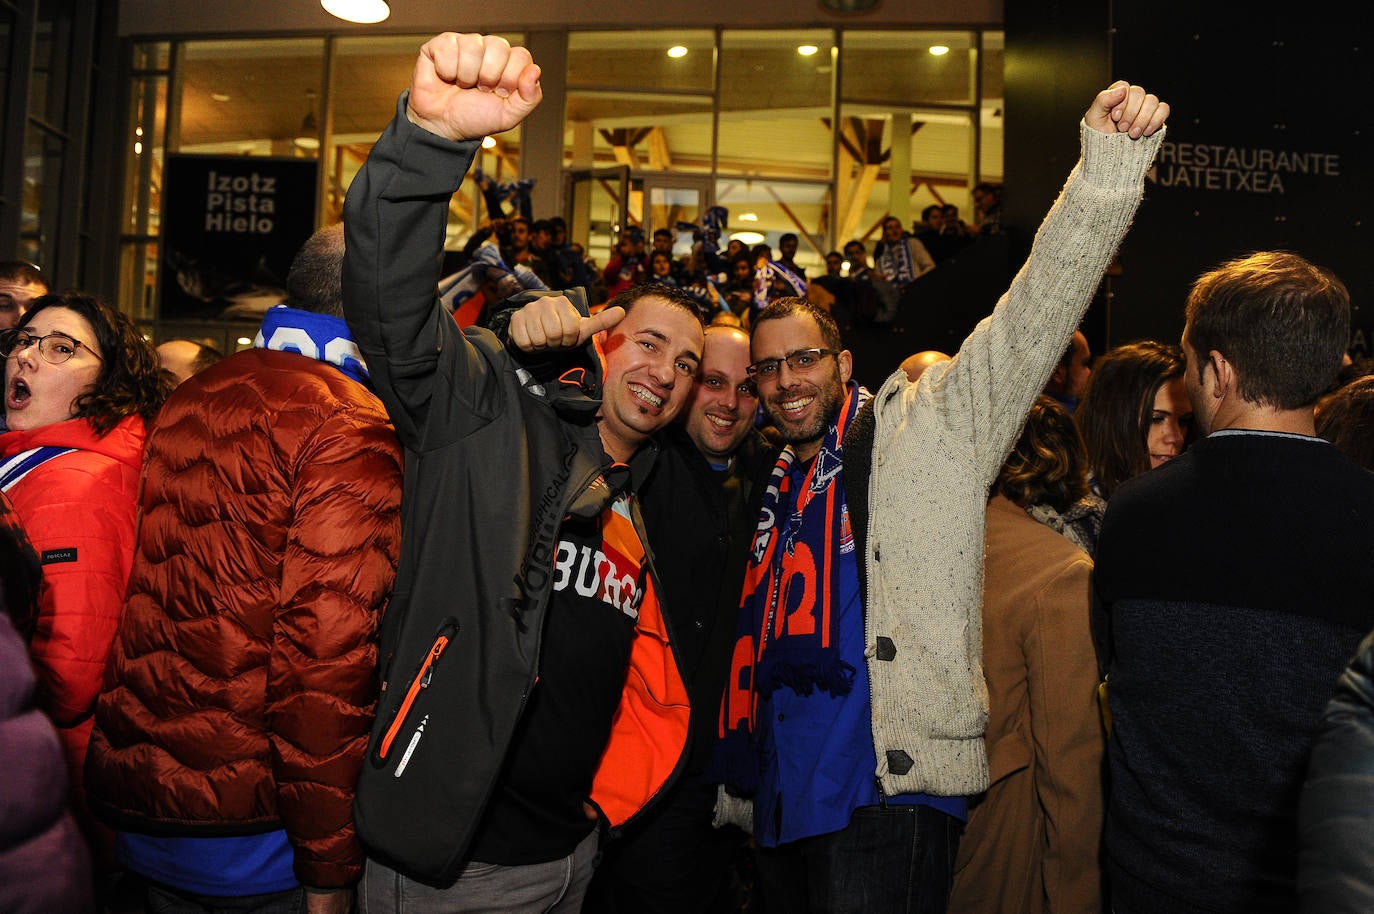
231,227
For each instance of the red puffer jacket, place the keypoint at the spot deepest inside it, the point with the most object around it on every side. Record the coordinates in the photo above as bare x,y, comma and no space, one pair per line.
243,681
78,511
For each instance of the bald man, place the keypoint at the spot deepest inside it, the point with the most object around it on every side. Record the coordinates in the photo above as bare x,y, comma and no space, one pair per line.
182,358
915,365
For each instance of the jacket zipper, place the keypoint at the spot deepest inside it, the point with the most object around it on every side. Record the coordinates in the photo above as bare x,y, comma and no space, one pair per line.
421,681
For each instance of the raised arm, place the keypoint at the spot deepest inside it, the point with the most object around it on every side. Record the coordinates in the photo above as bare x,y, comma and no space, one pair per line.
466,87
987,389
463,88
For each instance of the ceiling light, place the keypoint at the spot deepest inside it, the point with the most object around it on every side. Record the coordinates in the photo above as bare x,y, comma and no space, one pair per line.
748,217
488,142
806,50
365,11
244,341
219,97
677,50
939,50
747,237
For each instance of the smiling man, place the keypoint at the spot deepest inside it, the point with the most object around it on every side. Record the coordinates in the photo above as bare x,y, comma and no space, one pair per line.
856,705
532,683
699,506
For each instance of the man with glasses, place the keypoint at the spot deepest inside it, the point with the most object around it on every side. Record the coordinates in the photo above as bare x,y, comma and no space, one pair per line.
855,708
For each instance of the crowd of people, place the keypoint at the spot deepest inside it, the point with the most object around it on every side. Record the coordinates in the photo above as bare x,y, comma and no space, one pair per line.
511,253
473,588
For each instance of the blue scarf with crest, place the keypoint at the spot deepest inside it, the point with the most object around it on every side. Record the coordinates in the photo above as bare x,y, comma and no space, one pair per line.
318,336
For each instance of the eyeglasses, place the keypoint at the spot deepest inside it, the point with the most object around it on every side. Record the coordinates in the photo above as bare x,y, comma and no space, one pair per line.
801,361
55,347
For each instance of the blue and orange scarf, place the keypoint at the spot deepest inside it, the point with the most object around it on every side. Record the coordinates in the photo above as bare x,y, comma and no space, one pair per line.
788,629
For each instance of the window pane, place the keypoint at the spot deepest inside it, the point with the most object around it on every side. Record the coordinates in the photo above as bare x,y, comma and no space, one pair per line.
938,150
675,60
52,48
775,105
903,68
761,212
152,55
251,97
42,195
994,57
138,278
647,132
146,136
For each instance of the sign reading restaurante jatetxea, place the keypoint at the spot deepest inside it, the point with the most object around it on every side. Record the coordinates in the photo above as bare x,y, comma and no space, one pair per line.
230,227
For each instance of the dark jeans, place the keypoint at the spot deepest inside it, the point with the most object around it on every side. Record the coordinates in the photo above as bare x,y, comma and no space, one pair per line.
163,899
673,862
888,860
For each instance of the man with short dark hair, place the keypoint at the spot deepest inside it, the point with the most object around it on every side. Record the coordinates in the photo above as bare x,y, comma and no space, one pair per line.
1232,585
533,684
856,706
787,253
699,504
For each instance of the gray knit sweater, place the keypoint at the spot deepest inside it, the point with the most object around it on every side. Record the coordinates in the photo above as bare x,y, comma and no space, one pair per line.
938,445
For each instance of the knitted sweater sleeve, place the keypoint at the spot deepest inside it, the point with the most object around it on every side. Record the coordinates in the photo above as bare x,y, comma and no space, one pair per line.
983,395
434,384
938,443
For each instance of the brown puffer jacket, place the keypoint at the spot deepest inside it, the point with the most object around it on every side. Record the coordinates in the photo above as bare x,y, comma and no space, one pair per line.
242,684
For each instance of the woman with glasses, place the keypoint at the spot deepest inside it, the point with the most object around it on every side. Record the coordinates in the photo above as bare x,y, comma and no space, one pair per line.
80,384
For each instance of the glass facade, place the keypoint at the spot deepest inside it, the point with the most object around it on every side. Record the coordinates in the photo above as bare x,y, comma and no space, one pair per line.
817,132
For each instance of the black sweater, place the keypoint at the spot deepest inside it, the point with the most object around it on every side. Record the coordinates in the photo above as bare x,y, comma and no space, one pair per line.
1232,585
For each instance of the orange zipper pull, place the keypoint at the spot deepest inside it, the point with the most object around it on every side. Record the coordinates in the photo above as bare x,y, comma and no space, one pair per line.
421,681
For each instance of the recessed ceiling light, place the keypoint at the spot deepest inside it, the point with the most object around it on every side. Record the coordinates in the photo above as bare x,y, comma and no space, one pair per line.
748,217
365,11
939,50
244,341
219,97
747,237
677,50
806,50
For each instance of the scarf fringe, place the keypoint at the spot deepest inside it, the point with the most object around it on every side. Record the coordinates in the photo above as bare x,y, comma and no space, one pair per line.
805,671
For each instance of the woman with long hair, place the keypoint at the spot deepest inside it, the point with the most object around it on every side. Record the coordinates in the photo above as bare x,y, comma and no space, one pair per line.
1032,840
80,385
1135,414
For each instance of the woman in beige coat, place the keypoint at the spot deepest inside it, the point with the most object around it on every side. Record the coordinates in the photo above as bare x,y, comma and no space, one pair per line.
1033,839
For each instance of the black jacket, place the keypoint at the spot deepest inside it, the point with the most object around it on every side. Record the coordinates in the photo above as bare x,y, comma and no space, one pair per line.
1336,816
700,522
497,451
